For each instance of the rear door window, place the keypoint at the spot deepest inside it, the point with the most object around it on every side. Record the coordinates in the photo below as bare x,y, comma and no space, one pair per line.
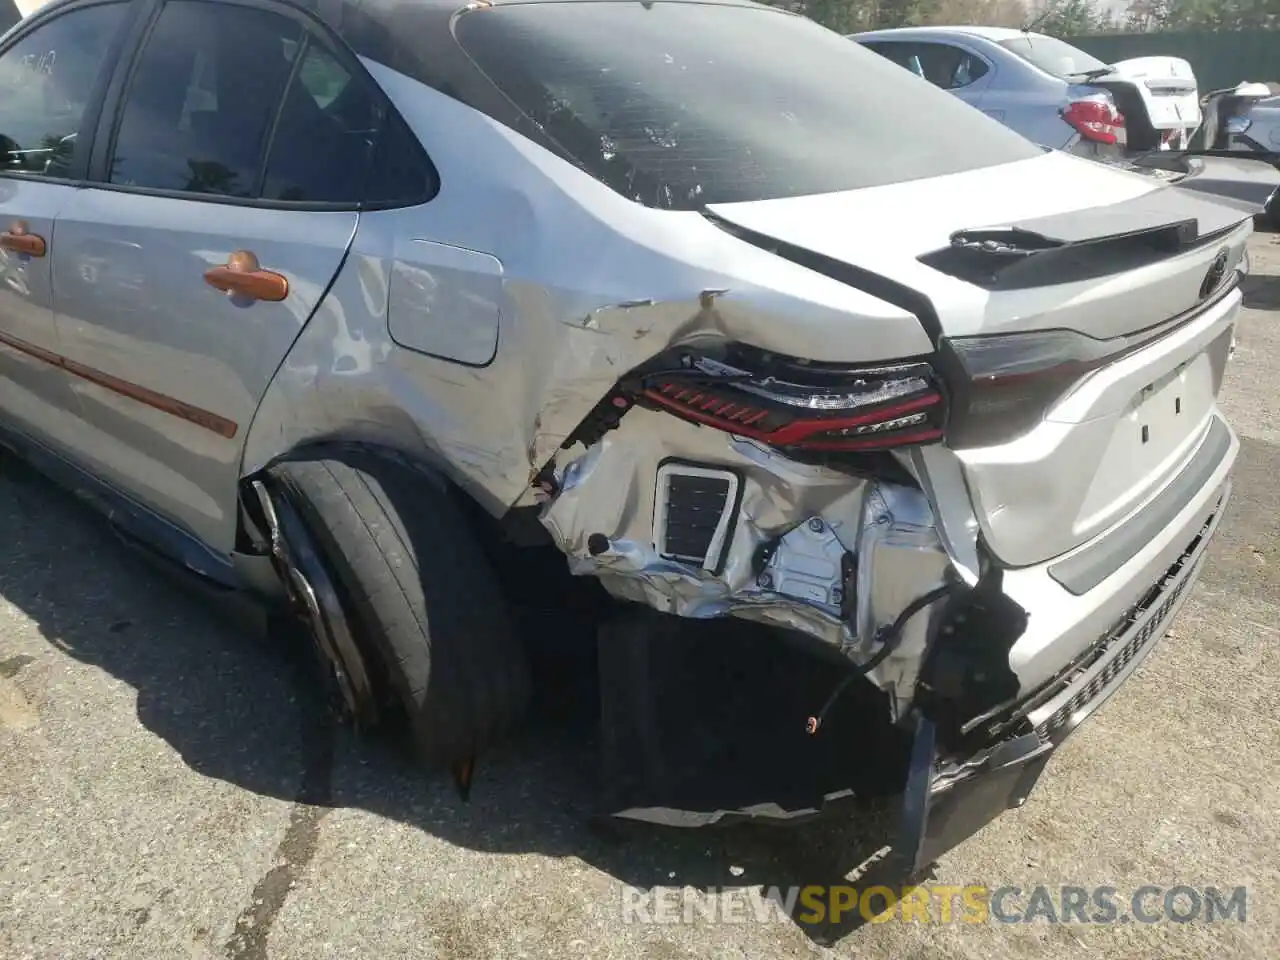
401,173
203,97
903,54
339,140
942,64
325,135
221,86
775,106
947,66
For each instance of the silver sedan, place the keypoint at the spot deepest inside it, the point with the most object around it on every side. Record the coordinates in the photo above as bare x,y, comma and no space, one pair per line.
1051,92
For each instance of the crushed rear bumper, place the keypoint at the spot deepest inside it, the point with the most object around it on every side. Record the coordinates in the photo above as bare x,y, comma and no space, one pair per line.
946,801
949,798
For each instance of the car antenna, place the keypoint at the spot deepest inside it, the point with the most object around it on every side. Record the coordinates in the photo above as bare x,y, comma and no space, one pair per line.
1039,19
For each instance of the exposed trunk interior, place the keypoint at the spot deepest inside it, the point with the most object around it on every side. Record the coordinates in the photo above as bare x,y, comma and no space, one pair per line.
1140,133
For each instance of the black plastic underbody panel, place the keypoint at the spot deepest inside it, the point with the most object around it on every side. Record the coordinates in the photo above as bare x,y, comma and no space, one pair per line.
938,816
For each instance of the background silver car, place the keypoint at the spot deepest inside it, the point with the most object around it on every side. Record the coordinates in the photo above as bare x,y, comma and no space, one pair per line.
1050,91
1247,119
1256,128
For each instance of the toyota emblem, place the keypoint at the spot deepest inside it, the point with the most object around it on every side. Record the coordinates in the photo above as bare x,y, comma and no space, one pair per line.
1217,272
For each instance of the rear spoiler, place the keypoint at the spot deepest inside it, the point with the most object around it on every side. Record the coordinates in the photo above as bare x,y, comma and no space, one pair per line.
1090,243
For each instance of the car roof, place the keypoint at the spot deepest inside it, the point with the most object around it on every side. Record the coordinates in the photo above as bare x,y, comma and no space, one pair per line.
375,28
459,5
995,34
332,11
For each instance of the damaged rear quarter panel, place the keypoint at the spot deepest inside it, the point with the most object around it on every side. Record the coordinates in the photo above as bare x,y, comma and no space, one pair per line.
592,285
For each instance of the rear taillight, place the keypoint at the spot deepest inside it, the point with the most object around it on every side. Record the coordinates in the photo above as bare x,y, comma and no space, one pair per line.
799,406
1004,385
1097,120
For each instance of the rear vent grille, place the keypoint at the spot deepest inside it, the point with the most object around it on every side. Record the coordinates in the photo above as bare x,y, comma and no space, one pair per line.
693,511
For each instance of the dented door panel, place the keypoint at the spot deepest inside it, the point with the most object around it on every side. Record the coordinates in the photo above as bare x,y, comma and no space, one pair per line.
178,366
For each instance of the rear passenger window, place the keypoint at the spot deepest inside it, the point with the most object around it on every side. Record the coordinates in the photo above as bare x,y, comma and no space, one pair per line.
203,99
401,173
949,67
218,87
322,77
969,69
325,136
339,141
903,54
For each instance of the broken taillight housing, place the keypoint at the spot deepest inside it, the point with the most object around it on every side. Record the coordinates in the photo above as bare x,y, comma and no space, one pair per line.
801,406
1096,119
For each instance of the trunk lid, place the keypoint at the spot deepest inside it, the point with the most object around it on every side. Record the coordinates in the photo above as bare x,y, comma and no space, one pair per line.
1110,298
1168,93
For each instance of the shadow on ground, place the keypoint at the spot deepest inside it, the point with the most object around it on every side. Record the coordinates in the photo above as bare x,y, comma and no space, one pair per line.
238,706
1262,291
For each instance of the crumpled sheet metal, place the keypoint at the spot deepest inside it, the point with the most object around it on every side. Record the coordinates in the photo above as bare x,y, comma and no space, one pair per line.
587,347
609,489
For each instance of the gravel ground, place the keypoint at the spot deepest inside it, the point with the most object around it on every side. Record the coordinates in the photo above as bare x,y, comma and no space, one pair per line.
164,792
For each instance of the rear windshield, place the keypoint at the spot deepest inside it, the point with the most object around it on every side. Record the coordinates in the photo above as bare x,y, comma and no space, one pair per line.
1054,56
677,105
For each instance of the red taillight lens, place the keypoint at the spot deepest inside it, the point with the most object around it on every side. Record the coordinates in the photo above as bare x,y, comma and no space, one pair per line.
806,408
1096,120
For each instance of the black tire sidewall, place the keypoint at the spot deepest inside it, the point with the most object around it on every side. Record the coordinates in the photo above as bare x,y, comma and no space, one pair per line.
443,641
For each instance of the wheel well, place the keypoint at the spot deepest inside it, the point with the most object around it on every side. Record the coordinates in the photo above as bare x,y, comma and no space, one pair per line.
254,538
554,612
559,618
252,535
517,528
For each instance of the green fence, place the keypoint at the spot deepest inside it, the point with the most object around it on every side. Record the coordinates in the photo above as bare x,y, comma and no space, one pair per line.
1218,59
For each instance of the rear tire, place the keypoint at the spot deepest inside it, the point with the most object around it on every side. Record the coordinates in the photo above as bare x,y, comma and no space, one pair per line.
1273,212
420,596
